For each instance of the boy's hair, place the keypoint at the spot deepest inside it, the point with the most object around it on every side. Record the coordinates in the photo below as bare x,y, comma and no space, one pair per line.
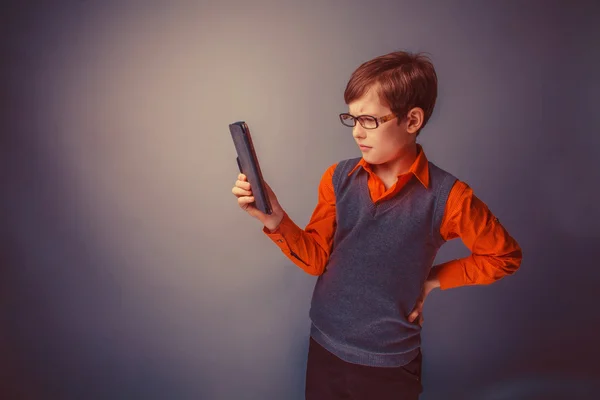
405,80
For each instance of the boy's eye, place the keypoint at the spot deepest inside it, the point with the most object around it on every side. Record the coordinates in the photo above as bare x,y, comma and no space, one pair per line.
367,121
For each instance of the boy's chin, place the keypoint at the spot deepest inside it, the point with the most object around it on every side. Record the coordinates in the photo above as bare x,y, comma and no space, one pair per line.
373,159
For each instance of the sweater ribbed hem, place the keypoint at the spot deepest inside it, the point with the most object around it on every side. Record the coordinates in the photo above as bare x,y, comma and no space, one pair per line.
362,357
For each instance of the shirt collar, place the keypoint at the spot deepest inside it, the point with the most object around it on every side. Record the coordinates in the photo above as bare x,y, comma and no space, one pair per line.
419,168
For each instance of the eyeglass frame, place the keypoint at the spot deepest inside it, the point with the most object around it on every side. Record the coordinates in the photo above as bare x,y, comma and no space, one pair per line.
378,120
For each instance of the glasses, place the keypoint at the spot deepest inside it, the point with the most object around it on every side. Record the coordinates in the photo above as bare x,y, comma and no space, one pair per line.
366,121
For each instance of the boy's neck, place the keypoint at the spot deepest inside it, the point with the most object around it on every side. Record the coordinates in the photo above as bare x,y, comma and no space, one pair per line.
398,166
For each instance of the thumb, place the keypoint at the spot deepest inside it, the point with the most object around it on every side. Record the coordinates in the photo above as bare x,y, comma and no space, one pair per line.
416,311
413,315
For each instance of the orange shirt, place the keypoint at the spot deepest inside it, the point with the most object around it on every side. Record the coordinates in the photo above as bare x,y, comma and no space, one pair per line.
494,253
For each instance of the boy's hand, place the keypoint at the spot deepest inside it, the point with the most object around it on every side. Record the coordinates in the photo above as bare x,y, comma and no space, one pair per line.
417,313
243,192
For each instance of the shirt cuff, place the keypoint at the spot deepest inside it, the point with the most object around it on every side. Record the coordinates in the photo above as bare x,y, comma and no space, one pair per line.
286,232
451,274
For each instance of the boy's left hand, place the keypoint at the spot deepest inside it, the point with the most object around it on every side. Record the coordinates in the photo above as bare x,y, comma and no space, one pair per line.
417,313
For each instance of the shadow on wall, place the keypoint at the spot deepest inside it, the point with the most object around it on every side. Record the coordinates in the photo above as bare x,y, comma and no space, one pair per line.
539,388
65,330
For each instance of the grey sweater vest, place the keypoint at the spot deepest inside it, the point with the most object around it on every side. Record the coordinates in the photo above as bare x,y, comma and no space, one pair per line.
381,256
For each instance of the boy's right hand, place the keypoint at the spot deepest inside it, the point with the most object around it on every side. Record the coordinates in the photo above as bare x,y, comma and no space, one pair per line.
243,192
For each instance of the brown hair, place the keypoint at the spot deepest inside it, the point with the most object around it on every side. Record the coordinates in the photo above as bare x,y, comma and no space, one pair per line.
406,80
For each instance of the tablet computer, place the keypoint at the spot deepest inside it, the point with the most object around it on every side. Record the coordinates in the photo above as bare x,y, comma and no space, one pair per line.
248,164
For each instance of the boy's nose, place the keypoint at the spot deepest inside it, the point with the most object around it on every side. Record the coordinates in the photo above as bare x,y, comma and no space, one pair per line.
358,132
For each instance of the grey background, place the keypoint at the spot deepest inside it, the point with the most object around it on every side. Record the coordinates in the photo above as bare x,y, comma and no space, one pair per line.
128,270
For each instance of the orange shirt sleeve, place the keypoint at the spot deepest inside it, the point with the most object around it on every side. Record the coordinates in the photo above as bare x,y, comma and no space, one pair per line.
310,248
494,253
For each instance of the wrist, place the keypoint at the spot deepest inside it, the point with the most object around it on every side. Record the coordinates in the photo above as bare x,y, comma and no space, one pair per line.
433,280
274,220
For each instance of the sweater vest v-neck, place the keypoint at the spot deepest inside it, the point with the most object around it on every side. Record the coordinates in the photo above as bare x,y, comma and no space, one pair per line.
382,254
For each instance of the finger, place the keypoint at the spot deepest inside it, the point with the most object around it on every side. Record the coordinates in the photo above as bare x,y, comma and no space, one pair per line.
413,315
241,192
421,319
242,177
417,310
243,185
245,200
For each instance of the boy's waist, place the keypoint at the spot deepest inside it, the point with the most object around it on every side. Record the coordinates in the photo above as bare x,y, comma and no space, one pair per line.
385,356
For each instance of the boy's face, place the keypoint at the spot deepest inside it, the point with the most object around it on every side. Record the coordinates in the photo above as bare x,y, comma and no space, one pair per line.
390,140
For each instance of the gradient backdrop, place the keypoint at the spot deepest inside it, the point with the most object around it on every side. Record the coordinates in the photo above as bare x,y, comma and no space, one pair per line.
128,270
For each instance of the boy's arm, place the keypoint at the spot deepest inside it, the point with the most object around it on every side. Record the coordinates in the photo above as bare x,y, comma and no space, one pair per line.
495,253
309,249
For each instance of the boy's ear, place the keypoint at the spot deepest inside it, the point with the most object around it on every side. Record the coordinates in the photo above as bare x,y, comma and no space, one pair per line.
414,120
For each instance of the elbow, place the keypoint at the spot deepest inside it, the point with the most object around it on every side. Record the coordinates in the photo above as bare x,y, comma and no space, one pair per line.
315,269
311,269
509,261
513,260
508,264
498,267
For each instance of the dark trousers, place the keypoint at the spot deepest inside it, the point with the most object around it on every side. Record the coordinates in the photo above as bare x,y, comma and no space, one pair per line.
328,378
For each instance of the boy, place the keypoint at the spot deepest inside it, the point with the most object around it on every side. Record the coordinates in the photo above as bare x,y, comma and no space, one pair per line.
373,237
